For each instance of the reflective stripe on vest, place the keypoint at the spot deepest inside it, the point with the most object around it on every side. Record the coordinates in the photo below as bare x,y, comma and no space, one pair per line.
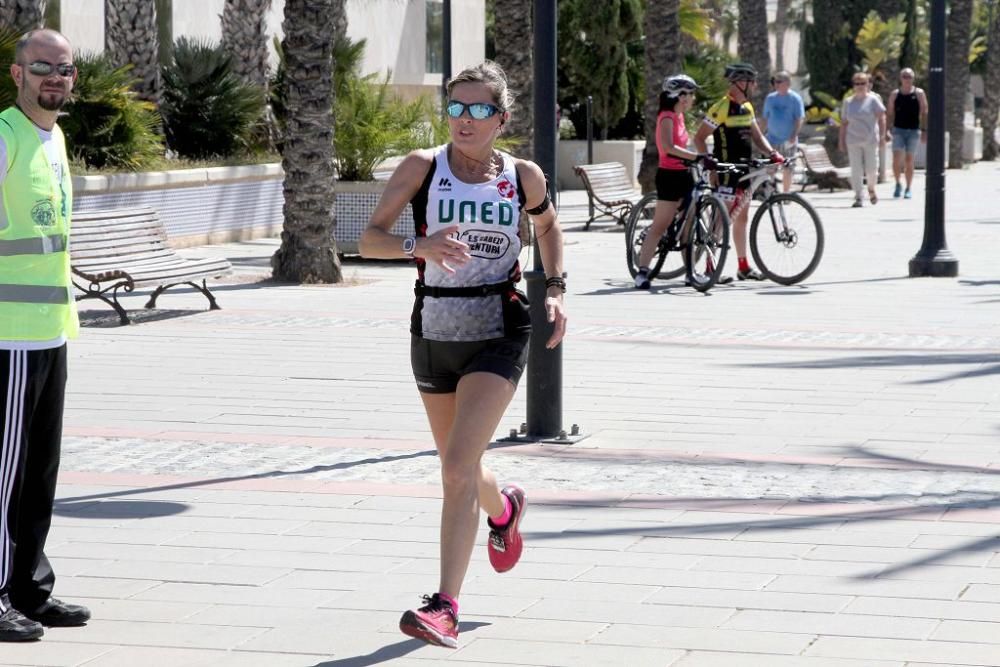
34,294
38,245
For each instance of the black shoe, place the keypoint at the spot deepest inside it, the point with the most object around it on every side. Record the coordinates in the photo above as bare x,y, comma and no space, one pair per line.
749,274
642,280
14,627
58,614
724,280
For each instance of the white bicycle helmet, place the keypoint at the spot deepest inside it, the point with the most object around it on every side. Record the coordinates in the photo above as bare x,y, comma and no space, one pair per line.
679,83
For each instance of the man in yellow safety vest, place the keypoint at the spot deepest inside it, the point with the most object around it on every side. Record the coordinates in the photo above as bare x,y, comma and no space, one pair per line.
37,316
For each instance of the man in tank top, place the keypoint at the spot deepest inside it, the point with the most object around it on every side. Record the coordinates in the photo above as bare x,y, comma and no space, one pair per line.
907,116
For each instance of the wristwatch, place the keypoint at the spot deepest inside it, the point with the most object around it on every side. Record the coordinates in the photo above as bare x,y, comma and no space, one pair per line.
409,245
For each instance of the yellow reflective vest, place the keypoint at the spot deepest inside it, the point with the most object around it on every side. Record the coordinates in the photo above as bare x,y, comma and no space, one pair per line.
36,293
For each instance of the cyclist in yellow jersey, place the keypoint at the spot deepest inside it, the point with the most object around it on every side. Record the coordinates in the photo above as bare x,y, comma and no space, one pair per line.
733,126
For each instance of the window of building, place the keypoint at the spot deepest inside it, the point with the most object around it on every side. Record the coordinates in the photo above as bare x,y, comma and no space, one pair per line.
435,36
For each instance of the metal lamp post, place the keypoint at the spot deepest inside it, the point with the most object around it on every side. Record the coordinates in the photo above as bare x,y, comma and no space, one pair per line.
934,258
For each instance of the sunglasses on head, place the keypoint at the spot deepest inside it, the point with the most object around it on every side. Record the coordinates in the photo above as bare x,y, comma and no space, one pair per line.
477,110
42,68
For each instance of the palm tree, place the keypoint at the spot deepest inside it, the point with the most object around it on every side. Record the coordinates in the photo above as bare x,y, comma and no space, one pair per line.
131,37
308,252
987,112
752,44
244,37
22,14
513,30
662,29
956,83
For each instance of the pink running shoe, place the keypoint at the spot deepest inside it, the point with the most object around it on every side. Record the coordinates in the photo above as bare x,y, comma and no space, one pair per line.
435,623
505,543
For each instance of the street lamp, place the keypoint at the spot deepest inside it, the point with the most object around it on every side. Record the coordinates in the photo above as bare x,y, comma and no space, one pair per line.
934,258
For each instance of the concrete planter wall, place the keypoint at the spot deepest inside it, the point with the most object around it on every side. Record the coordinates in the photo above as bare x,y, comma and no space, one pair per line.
222,204
355,202
197,206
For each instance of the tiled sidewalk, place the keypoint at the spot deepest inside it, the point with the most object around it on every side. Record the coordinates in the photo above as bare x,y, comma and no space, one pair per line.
803,476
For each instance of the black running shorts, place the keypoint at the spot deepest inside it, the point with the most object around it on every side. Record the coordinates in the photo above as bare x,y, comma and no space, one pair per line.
673,184
438,365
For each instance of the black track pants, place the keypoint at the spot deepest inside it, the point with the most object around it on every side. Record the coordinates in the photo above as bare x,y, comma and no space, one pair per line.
32,393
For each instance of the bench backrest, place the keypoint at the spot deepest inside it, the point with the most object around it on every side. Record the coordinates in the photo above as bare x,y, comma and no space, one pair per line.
816,158
606,181
102,237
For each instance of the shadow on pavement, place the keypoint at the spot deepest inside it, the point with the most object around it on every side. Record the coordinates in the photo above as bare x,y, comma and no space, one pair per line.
935,504
100,319
240,478
984,363
392,651
126,509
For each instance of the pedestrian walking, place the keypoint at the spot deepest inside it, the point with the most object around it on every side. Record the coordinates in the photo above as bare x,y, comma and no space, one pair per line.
37,316
862,133
469,325
907,118
782,120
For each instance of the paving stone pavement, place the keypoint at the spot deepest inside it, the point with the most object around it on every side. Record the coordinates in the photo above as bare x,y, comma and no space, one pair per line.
800,476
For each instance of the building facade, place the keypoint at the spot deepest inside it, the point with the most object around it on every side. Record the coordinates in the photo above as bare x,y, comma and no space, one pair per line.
404,37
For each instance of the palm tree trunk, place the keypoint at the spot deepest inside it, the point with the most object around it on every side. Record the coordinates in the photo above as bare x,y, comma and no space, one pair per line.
959,27
513,30
24,15
663,38
131,36
752,45
990,107
244,37
780,27
308,252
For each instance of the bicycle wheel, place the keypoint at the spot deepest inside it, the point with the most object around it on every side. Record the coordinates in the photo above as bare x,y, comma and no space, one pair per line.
636,229
708,243
786,239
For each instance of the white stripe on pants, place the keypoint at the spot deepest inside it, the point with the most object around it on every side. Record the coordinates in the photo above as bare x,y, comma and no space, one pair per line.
9,455
863,164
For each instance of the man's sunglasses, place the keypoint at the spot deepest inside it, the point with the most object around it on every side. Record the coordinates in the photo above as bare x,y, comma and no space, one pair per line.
477,110
42,68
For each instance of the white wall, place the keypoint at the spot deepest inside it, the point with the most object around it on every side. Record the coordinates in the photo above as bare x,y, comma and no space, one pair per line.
468,34
198,19
82,22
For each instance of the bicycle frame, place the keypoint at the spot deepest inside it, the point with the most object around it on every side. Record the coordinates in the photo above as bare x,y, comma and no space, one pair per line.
764,177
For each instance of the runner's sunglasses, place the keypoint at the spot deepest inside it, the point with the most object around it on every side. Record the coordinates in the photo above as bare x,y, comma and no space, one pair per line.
42,68
477,110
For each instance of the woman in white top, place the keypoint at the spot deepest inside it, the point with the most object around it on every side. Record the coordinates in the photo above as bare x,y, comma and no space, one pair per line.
862,131
470,325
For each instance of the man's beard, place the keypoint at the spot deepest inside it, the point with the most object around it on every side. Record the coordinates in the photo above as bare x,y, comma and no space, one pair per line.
51,101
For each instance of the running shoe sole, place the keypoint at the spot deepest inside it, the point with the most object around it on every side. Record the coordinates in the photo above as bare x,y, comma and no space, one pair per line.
411,625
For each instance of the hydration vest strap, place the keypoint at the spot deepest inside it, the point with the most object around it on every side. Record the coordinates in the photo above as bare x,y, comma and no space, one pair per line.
421,289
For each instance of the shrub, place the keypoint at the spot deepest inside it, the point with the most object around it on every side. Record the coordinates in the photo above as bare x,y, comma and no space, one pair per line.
207,110
106,124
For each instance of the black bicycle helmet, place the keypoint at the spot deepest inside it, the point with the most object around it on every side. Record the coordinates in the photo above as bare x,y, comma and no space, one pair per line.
679,83
741,72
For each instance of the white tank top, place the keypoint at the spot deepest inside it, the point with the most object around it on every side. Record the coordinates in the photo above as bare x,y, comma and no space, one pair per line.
487,215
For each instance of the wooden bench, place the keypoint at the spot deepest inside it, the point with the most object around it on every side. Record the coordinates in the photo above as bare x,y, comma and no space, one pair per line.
819,171
127,249
610,190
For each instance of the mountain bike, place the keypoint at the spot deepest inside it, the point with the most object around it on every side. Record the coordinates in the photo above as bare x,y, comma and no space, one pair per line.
695,242
786,235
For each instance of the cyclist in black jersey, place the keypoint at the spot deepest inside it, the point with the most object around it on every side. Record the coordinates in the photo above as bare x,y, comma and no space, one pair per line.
733,127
